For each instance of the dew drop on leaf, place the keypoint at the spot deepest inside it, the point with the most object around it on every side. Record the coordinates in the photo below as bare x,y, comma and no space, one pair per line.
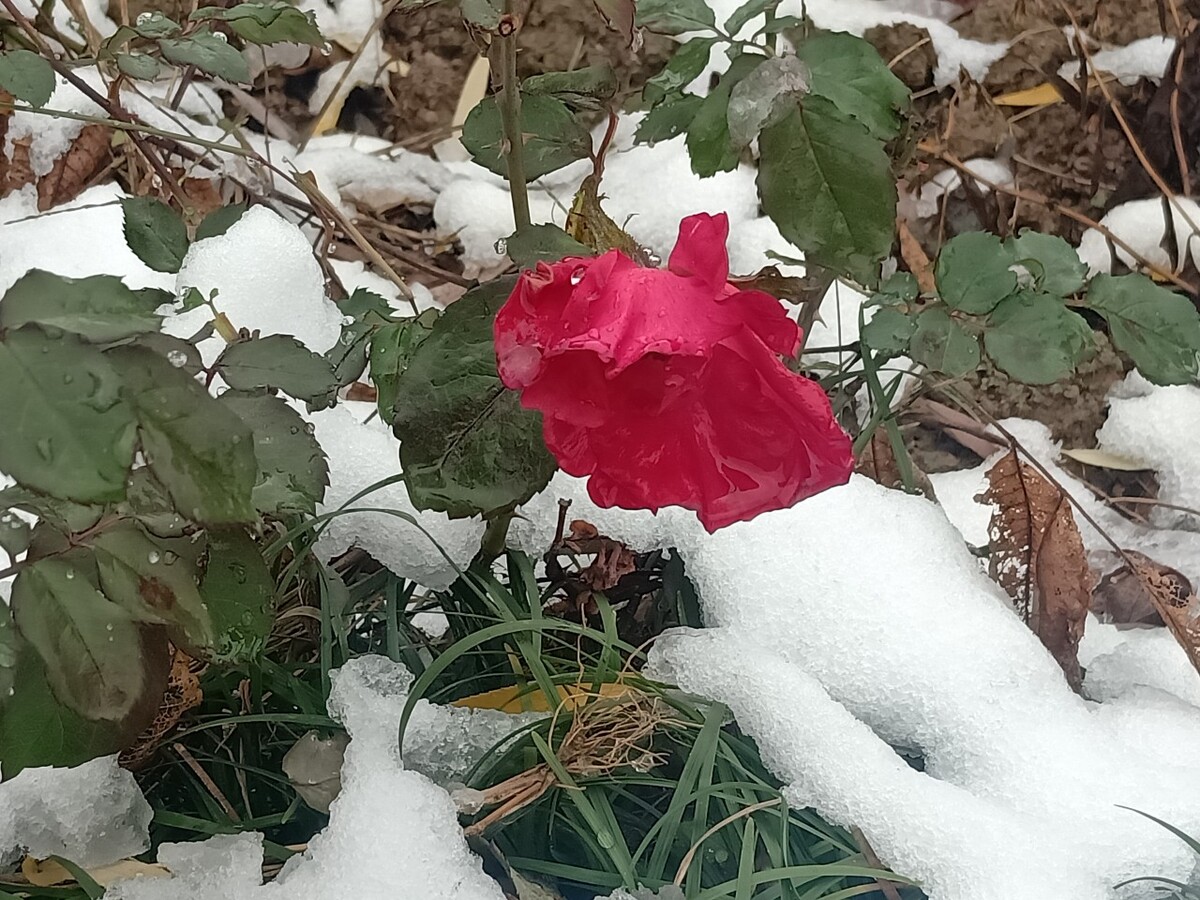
177,358
153,557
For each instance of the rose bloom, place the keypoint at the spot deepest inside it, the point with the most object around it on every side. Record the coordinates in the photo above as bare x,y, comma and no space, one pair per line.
665,387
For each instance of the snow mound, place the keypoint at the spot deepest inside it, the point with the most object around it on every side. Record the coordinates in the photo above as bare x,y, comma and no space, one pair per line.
93,814
266,279
1144,58
1142,226
392,832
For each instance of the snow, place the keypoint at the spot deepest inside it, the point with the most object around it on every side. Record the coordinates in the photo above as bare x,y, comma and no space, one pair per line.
80,238
93,814
374,182
1159,428
1142,226
392,832
1144,58
266,279
927,202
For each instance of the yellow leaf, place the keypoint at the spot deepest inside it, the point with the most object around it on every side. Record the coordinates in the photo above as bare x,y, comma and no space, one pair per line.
1041,95
50,873
1104,460
517,699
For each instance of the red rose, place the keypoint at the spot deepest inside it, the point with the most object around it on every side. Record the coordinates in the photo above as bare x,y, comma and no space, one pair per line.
665,387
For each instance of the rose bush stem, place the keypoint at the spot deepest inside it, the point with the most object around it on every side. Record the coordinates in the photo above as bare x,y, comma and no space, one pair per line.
510,117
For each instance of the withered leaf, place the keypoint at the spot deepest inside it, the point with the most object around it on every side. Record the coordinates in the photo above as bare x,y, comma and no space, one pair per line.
1173,597
1037,556
589,224
878,462
613,560
72,171
17,170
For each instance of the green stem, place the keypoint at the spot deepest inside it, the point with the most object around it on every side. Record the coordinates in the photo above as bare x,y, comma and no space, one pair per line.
510,117
495,537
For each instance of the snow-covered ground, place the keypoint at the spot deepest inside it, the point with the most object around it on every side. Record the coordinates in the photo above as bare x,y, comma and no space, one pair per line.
841,631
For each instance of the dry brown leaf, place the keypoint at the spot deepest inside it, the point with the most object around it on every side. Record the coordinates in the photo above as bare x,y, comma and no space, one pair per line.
1120,599
72,171
613,560
182,694
1037,556
47,873
18,172
916,258
878,462
6,100
1173,597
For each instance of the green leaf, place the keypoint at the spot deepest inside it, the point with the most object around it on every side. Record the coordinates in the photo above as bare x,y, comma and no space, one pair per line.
155,233
14,537
974,273
543,243
942,345
87,643
847,71
584,88
292,471
669,118
202,453
10,645
828,186
1053,262
392,346
708,140
278,361
900,286
689,61
747,11
62,515
483,13
1036,339
266,23
466,445
240,593
178,352
154,585
68,433
100,308
139,65
208,53
889,332
764,97
149,503
1159,329
155,25
36,729
26,76
220,221
675,16
553,136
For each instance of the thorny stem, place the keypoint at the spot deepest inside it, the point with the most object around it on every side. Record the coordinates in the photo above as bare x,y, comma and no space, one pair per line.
510,116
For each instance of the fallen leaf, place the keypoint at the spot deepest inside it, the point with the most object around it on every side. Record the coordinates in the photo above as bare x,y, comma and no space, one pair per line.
17,171
1037,556
916,258
1121,599
1041,95
1104,460
72,171
314,767
1173,597
517,699
182,694
878,462
48,873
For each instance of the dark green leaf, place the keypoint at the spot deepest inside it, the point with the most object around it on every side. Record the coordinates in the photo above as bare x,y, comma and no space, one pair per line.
178,352
14,538
764,97
150,504
586,87
266,23
689,61
392,346
782,23
220,221
746,12
675,16
1159,329
349,356
153,25
553,136
668,119
154,585
941,344
10,644
281,362
155,233
87,643
209,53
889,332
901,286
828,186
292,471
68,433
63,515
974,273
36,729
483,13
100,309
708,140
1052,261
26,76
139,65
200,451
240,594
466,445
847,71
543,243
1036,339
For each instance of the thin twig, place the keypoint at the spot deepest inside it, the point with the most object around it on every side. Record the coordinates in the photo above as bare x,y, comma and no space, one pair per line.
206,780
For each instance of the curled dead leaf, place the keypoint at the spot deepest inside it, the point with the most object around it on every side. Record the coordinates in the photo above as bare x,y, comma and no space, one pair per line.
183,693
878,462
1174,598
1037,556
74,169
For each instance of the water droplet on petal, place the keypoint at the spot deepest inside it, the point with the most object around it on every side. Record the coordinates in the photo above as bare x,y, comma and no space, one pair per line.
577,275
